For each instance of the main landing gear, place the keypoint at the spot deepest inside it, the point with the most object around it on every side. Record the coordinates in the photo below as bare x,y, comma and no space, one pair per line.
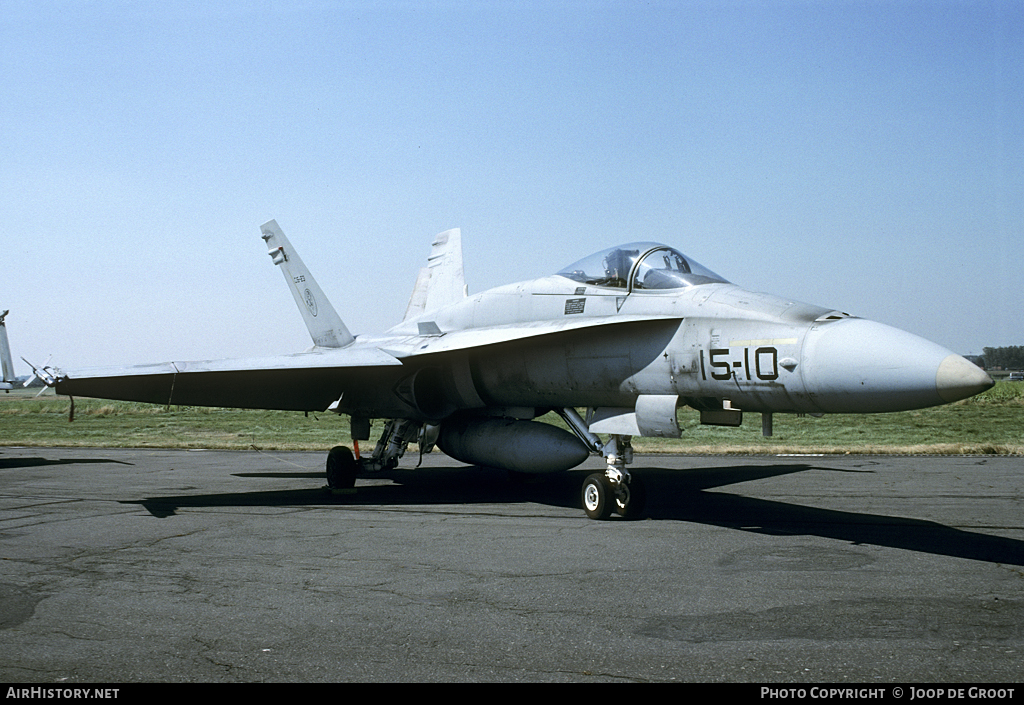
614,491
342,469
342,466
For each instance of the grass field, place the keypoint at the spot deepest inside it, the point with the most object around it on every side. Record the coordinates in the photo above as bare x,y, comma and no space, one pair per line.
991,423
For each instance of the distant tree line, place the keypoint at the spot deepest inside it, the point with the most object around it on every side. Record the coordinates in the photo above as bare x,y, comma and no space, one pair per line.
1009,358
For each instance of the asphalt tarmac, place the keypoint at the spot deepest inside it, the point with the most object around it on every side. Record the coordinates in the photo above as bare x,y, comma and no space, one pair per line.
159,565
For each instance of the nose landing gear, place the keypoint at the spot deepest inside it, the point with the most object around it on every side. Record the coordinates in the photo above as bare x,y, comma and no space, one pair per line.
615,490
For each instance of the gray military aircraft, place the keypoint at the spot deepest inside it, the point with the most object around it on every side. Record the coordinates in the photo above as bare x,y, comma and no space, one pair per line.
8,380
40,377
628,335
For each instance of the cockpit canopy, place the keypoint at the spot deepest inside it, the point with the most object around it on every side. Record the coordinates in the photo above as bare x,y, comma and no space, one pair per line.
640,266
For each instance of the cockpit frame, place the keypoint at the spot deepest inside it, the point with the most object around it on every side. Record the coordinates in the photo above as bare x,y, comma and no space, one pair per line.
632,267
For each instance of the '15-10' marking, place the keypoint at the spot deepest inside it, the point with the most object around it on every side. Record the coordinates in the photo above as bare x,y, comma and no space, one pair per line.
766,364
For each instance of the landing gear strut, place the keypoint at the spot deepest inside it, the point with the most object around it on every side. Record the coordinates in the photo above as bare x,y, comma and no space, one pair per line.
616,489
342,467
392,444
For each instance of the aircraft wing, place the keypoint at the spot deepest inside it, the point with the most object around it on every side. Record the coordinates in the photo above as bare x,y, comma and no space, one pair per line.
309,381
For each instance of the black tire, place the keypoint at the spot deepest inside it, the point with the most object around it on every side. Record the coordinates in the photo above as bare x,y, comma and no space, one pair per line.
598,497
341,469
636,499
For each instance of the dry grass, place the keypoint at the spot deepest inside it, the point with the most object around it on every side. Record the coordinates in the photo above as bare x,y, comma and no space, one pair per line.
989,424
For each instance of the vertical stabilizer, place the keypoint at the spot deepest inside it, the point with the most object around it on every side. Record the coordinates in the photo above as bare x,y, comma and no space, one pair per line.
442,282
323,322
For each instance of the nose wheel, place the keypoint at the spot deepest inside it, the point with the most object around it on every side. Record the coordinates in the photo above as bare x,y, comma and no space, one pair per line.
597,496
602,496
631,498
614,490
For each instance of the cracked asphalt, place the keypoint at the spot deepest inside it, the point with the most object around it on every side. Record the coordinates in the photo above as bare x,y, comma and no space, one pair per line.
183,566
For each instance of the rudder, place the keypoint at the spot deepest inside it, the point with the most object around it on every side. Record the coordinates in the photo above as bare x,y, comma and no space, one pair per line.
442,282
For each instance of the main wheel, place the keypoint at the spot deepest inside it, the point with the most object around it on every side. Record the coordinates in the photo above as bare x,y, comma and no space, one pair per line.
598,497
341,469
636,498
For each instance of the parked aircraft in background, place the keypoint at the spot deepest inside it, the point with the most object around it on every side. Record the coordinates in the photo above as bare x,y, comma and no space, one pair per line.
9,381
626,335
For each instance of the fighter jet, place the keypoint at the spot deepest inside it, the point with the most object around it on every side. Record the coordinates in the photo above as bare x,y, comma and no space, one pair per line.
614,344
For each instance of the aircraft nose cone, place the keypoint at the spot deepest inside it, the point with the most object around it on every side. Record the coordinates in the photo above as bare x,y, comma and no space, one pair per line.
860,366
959,378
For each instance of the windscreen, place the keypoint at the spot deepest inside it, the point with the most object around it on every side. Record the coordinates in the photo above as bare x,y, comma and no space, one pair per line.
640,266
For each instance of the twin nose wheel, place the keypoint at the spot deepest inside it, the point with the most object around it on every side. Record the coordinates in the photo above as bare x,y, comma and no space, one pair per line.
602,497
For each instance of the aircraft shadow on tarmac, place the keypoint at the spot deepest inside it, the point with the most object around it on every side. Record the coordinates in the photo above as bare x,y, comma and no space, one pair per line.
12,463
673,496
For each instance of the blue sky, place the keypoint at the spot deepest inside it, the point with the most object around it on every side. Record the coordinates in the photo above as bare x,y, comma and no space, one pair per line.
863,155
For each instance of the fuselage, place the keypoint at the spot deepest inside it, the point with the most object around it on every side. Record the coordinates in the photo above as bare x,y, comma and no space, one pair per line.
638,325
708,343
